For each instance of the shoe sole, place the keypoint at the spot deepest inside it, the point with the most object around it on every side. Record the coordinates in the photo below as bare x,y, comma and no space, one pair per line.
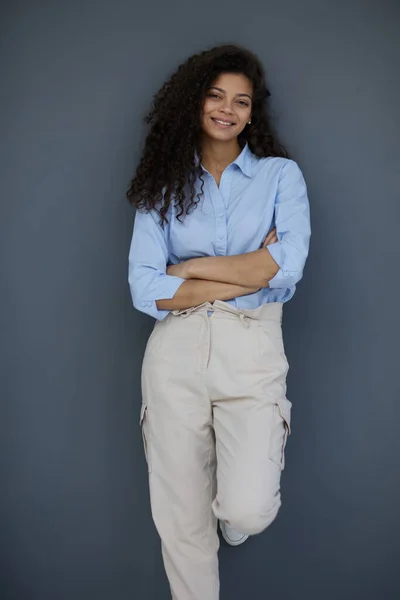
229,540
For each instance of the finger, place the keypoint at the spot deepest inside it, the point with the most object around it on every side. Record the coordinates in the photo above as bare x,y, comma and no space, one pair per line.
269,237
272,240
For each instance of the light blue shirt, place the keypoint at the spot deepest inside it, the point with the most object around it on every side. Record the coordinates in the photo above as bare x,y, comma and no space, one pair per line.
254,195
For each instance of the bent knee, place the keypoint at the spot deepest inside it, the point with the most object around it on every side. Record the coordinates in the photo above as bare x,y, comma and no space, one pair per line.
253,519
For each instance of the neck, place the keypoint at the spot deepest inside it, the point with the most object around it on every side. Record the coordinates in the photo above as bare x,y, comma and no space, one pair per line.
218,155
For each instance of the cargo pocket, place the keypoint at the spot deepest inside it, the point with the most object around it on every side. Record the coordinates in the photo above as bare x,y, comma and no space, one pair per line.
280,430
144,424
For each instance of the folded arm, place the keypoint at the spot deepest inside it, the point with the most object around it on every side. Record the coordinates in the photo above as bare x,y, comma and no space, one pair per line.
153,290
278,264
196,291
253,269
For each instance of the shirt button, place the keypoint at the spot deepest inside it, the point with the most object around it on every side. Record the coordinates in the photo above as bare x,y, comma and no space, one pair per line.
149,304
143,303
221,237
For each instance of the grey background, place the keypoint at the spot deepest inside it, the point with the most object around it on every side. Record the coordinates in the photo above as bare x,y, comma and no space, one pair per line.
77,78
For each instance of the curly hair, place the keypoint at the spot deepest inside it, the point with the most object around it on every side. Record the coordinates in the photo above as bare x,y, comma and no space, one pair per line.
168,170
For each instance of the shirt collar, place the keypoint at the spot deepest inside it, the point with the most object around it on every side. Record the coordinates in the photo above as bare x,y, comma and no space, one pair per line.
243,161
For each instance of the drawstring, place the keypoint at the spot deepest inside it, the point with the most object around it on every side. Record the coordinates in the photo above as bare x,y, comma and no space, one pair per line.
204,310
208,342
245,320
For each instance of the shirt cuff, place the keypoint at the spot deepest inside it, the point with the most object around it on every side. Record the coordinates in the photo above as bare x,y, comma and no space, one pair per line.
283,278
166,288
276,252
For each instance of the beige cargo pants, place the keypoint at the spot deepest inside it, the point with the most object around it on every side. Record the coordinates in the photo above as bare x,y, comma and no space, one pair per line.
215,420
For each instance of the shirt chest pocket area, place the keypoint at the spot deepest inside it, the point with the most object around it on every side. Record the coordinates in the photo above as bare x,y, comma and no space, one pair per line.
191,237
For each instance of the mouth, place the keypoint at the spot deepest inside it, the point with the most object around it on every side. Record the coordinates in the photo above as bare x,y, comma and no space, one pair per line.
223,123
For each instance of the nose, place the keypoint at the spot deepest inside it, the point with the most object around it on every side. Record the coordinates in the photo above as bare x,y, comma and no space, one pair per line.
226,108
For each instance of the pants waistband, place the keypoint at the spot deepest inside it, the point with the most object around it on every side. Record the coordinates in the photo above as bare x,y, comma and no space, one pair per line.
271,311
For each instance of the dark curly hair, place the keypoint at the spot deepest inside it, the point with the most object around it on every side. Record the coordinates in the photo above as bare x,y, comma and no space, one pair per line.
167,171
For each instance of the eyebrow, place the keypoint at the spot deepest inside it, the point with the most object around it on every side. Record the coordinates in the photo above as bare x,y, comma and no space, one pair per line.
223,91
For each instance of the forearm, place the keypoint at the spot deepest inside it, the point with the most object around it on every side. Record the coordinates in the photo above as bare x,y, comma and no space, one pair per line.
254,269
194,292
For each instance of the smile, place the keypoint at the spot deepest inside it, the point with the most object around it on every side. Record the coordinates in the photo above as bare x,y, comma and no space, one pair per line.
223,123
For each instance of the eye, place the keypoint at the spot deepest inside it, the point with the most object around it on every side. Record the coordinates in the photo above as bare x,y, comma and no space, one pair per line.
243,103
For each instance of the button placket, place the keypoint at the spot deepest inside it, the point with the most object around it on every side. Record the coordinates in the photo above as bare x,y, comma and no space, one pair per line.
220,219
226,185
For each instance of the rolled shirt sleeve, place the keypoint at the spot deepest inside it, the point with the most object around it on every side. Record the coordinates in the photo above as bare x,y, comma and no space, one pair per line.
148,258
292,221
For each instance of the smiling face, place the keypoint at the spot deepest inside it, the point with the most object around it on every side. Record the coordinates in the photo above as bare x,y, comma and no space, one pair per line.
227,107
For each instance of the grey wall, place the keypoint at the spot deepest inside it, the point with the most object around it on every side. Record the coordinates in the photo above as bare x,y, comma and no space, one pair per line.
77,78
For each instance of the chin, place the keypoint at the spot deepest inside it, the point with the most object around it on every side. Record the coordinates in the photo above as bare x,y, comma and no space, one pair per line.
223,136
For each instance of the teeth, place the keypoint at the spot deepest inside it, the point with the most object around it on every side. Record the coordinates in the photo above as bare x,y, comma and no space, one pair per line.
223,122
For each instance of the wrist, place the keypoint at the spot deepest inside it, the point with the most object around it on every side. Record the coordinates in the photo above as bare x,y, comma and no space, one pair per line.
189,269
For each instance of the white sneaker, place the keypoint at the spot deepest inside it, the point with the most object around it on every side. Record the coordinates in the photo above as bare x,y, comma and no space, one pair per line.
231,536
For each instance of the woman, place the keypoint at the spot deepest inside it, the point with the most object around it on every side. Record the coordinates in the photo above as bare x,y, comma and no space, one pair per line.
220,240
